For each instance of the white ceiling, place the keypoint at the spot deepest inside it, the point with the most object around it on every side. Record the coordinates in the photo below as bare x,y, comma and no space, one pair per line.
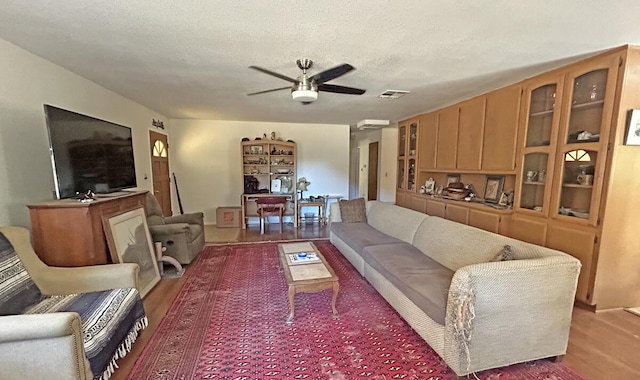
190,58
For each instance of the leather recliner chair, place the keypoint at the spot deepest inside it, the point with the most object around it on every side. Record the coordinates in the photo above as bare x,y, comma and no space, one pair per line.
181,235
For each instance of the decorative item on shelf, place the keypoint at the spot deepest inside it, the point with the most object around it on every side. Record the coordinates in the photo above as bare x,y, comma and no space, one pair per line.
256,149
504,199
532,175
439,190
245,139
542,175
585,177
429,186
493,188
456,190
302,186
452,178
273,135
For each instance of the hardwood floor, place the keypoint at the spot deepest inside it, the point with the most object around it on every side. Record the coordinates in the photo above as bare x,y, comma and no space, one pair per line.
603,345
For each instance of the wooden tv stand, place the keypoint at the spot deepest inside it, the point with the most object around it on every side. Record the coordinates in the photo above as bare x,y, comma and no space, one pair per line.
68,233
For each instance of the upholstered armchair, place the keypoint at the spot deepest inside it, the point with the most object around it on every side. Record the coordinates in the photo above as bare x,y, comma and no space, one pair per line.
63,323
182,235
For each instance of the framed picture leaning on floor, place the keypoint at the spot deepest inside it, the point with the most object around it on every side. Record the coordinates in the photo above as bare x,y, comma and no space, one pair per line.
129,241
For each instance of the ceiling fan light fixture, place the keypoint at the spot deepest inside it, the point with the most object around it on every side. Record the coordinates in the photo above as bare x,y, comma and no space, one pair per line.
304,95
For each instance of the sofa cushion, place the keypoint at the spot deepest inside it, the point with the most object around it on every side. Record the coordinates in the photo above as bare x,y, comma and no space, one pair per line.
17,290
353,211
399,222
110,322
423,280
359,235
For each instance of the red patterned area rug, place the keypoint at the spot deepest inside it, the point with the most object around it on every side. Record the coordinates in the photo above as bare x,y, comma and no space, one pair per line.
228,322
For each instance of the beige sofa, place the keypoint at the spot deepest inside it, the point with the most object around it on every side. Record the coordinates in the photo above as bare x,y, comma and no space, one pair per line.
441,277
63,323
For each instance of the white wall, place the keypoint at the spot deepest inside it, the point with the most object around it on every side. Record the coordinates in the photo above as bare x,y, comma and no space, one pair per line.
205,156
387,158
28,82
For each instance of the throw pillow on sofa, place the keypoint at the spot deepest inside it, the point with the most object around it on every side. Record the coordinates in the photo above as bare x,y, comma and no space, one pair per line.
353,211
505,254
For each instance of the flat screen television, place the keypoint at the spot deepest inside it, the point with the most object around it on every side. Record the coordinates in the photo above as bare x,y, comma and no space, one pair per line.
88,154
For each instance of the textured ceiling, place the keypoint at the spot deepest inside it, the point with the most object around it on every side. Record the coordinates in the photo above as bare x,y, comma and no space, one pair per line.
189,59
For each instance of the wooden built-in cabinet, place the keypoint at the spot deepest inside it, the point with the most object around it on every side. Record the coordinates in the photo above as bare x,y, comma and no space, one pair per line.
408,155
69,233
559,138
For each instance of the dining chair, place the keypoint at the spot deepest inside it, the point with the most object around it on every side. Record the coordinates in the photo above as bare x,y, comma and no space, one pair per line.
270,206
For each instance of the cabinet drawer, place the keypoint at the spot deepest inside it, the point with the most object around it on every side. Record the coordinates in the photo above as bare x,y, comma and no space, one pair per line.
457,214
484,220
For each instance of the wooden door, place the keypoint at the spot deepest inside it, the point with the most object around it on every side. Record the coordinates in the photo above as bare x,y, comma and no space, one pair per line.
532,230
447,148
372,185
500,129
579,243
457,213
470,134
427,141
487,221
160,170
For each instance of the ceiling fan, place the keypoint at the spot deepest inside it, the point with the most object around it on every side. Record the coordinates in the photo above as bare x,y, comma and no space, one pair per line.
305,88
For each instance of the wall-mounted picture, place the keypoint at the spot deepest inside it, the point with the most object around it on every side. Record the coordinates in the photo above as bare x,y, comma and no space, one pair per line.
129,241
452,178
493,188
633,131
256,149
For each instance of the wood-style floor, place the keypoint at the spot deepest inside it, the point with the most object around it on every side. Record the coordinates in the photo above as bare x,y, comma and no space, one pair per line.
603,345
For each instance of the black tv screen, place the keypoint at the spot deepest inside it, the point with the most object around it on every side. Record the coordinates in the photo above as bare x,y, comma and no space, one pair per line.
88,154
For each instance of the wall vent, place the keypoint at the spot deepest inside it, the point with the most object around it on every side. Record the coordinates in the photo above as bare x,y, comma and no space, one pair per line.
393,94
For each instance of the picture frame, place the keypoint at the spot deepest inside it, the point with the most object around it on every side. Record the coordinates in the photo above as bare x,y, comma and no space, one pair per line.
430,186
452,178
633,128
493,188
504,199
129,241
255,149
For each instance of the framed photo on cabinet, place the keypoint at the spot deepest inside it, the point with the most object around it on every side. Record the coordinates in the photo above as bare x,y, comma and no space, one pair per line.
452,178
633,131
256,149
493,188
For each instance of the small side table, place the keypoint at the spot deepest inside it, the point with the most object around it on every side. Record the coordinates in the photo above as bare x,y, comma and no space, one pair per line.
321,211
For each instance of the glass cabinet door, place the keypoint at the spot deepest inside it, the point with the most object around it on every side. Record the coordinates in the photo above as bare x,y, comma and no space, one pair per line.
402,140
538,145
534,182
541,112
413,138
577,176
587,103
411,177
400,174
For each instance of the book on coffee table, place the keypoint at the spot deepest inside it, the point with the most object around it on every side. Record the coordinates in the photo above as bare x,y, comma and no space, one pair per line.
309,257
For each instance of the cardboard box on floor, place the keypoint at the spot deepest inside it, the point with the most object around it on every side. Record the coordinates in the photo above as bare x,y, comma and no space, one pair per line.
228,216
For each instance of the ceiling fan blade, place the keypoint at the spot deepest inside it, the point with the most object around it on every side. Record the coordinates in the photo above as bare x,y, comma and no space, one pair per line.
274,74
340,89
272,90
333,73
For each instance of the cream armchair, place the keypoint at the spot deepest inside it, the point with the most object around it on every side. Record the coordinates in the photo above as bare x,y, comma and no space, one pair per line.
181,235
55,337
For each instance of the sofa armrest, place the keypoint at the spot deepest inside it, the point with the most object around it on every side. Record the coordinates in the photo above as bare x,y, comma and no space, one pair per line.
490,304
43,346
192,218
59,280
169,229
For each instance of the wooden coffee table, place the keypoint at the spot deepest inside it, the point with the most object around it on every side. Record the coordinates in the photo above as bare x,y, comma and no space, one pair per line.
305,275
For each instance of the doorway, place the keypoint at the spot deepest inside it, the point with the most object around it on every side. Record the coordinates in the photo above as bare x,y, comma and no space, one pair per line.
160,171
354,174
372,182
